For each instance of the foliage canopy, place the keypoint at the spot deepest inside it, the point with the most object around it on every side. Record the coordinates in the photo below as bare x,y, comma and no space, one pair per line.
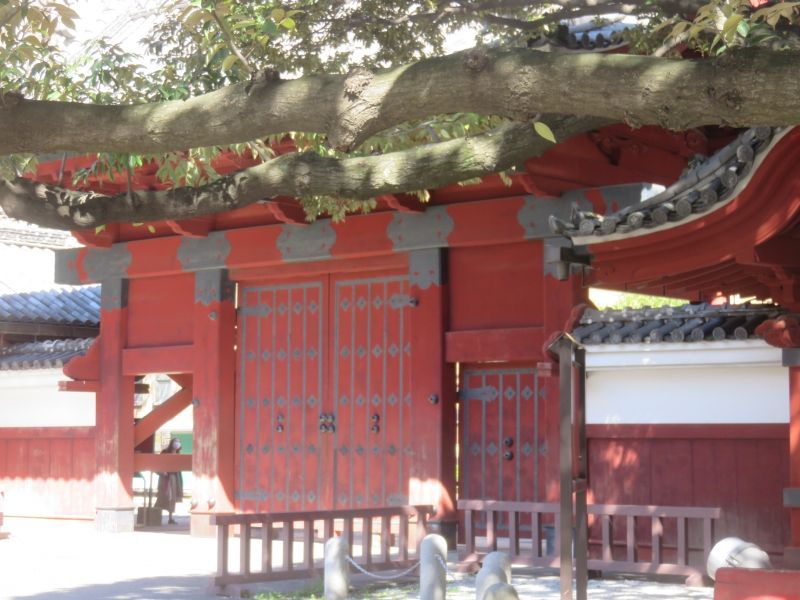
196,47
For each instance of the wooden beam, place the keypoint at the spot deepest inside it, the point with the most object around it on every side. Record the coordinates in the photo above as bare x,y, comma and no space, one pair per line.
48,329
160,415
519,343
184,380
79,386
198,227
95,239
690,431
158,359
41,433
163,463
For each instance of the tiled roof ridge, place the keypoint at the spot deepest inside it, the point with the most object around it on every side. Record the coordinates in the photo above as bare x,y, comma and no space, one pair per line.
77,306
21,233
707,185
585,37
45,346
686,323
45,354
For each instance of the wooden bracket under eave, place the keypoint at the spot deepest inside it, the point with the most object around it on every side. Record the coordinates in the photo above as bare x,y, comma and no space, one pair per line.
402,202
286,211
83,385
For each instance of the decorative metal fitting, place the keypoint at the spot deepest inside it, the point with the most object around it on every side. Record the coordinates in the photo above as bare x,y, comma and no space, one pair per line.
433,399
508,455
509,441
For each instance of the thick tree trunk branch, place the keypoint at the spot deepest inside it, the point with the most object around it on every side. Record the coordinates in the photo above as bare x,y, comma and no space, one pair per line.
297,175
746,88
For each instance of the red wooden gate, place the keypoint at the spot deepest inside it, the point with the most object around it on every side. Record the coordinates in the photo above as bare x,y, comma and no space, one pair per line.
502,444
324,394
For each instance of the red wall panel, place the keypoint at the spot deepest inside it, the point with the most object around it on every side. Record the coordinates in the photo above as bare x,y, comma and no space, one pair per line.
496,286
48,472
742,475
160,311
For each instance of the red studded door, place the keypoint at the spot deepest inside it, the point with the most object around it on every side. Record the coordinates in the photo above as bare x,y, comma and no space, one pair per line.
502,444
370,350
281,462
324,393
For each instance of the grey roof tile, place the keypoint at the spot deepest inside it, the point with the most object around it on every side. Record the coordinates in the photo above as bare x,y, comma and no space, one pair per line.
20,233
47,354
709,183
687,323
77,306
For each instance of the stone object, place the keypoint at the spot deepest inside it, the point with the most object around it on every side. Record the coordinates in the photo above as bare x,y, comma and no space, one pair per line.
735,552
432,574
501,591
337,569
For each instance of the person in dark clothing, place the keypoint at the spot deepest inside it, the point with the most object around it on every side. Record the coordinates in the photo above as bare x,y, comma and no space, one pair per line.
170,485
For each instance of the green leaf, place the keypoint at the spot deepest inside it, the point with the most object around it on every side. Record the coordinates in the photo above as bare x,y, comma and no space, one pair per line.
151,229
228,62
278,14
731,23
99,229
194,19
544,131
269,27
287,23
743,28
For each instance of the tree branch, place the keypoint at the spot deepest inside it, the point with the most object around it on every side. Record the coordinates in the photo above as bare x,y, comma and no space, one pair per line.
297,175
745,88
231,42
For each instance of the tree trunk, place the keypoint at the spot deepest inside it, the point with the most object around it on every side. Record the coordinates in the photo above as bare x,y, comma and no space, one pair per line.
745,88
298,175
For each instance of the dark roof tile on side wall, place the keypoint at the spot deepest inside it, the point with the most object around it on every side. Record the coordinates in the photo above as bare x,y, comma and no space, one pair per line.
687,323
48,354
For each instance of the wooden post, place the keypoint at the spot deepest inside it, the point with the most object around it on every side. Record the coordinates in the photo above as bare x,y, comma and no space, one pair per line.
433,394
580,476
565,462
114,415
213,398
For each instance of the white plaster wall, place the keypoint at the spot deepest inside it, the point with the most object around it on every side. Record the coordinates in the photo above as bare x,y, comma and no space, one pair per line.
696,394
26,269
30,398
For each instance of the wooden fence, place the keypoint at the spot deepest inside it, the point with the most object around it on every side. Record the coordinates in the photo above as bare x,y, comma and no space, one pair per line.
624,554
291,544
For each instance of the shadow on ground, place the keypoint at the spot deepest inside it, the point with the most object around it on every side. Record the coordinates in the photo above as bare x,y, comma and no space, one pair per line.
149,588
